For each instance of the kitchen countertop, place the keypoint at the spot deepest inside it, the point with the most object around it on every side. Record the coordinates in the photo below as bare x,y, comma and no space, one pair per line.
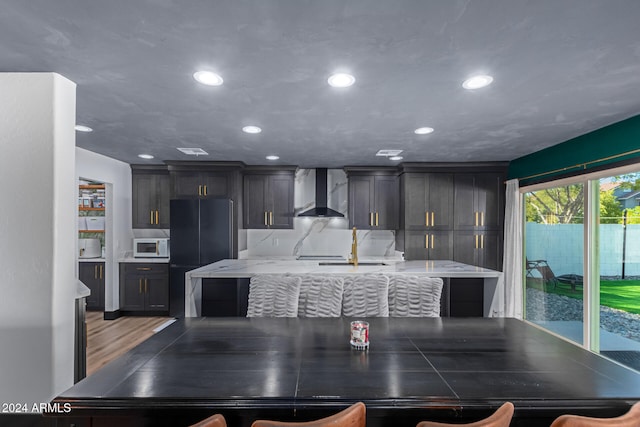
97,259
250,267
493,304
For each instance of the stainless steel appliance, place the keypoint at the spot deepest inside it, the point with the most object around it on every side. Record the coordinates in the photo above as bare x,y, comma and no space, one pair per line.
201,233
151,248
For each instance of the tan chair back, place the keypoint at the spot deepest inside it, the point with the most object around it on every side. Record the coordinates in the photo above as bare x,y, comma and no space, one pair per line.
353,416
630,419
216,420
500,418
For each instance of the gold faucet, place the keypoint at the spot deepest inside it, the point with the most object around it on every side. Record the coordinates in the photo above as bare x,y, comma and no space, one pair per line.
353,259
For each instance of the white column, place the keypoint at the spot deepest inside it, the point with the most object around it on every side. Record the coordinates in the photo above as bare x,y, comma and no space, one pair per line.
38,235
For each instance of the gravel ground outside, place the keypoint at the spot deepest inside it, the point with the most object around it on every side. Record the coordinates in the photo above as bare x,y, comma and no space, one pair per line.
545,306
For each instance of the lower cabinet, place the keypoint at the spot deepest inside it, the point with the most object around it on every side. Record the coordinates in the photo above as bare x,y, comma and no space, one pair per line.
464,297
92,275
144,288
225,297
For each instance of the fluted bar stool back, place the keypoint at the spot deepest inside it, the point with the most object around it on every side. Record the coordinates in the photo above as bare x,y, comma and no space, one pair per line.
353,416
500,418
630,419
216,420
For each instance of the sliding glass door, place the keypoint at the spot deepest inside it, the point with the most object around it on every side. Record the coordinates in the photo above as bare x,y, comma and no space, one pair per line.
554,249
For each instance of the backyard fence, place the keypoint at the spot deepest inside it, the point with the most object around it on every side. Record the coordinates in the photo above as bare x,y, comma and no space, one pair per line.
561,245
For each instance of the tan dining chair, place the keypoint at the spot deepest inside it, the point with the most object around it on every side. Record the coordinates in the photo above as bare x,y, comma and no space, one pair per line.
216,420
353,416
500,418
630,419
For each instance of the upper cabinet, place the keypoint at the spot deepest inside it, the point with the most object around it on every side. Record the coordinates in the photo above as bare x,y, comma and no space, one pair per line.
428,201
268,197
150,196
204,179
478,201
373,198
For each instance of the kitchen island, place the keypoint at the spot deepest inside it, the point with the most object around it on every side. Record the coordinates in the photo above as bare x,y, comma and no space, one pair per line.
489,280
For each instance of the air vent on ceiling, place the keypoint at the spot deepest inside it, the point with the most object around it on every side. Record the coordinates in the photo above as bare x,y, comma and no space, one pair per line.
193,151
388,153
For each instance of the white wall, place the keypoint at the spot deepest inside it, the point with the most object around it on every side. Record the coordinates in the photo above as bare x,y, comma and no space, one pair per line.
118,239
37,215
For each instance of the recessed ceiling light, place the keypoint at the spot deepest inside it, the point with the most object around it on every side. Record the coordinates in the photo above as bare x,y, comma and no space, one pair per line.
476,82
145,156
251,129
83,128
341,80
395,158
272,157
423,130
208,78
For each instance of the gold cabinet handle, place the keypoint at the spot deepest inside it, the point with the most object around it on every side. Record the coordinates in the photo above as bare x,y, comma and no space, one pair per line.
377,219
101,267
205,190
426,218
146,289
150,217
265,218
157,217
482,241
482,219
139,286
270,217
476,218
433,218
199,190
95,271
426,241
476,240
432,241
371,219
143,268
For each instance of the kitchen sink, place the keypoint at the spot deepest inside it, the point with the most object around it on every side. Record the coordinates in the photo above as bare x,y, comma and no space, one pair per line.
348,263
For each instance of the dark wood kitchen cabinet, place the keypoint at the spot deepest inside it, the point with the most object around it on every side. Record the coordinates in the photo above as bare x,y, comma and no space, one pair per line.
92,275
144,288
268,198
428,201
204,179
150,196
373,198
459,205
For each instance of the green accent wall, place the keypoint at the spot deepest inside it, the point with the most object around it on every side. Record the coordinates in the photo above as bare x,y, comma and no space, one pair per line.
608,141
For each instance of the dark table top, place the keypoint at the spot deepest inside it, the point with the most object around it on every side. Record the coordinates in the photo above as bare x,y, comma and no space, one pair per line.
412,363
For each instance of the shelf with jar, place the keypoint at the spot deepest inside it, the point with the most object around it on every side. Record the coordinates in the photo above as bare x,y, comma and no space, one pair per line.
91,212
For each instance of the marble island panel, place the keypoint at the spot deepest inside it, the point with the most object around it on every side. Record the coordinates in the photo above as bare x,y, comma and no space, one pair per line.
247,268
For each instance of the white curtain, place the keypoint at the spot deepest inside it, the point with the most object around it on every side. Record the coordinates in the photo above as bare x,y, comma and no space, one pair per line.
507,301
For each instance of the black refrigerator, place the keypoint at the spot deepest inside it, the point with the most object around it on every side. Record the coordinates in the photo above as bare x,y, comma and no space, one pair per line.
201,233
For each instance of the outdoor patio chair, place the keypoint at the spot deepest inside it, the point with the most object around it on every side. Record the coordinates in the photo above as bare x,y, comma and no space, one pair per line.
539,269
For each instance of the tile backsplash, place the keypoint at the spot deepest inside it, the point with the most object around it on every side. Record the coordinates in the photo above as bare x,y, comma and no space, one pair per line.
319,236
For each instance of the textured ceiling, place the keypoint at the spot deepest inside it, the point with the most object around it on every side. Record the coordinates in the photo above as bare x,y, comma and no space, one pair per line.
561,69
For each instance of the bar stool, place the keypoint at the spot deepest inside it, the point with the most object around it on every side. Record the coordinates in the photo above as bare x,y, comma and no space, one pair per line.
216,420
630,419
500,418
353,416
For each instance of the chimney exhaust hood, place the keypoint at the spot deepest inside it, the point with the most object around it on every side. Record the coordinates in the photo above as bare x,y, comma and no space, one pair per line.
321,209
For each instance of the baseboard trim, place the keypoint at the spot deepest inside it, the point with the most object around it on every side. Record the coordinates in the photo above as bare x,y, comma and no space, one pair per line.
112,315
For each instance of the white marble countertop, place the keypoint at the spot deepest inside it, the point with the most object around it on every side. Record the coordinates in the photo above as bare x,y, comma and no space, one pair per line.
250,267
97,259
129,258
82,290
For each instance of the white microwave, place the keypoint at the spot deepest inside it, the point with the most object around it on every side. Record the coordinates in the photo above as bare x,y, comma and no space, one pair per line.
151,248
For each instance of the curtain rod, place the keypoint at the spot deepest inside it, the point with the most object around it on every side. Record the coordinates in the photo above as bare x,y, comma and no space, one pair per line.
581,165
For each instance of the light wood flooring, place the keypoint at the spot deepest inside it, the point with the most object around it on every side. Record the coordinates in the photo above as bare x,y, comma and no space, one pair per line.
109,339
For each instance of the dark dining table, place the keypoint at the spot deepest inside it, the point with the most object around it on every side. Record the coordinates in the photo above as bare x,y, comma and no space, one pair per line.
446,369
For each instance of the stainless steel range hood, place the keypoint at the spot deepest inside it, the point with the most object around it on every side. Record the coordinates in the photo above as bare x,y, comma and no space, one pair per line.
321,209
